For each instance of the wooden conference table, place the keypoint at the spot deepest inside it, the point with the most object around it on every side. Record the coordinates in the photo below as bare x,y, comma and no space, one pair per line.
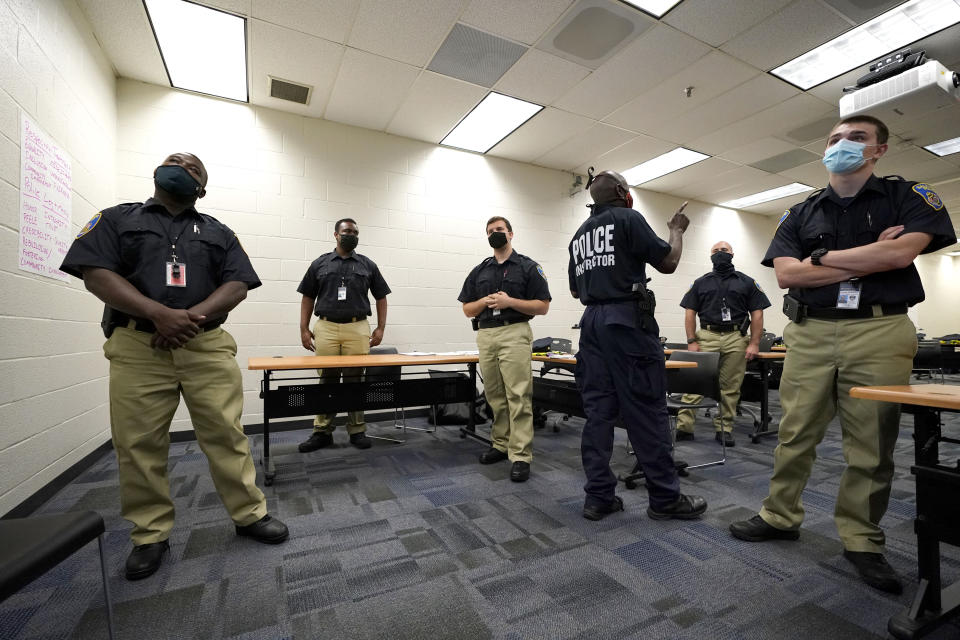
304,396
938,504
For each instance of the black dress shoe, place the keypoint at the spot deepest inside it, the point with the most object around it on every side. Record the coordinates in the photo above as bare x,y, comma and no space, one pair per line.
684,435
317,440
601,511
492,455
520,471
145,559
875,571
685,508
756,529
267,530
360,440
727,438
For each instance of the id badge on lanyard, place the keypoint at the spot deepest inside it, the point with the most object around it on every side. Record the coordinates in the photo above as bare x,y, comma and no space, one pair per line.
341,292
176,274
725,315
849,295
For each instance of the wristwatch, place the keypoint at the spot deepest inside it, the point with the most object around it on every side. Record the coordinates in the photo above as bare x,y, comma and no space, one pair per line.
817,256
692,340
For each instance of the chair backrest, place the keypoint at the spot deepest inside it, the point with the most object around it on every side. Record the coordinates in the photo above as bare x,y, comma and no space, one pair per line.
766,340
929,355
382,374
704,380
675,345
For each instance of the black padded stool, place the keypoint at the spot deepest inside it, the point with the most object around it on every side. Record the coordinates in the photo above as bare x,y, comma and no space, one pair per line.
29,547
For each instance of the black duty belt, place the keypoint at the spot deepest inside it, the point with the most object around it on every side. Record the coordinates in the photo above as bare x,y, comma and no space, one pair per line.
148,327
343,320
721,328
490,324
870,311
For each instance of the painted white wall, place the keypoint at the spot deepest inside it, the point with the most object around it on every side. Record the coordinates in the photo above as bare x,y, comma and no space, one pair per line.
939,314
53,401
280,182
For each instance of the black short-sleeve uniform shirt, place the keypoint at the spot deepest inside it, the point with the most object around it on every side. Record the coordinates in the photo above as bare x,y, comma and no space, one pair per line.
737,291
609,253
824,220
357,273
136,240
518,276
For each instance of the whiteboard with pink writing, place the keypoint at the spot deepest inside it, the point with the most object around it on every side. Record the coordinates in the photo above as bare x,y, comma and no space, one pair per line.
45,202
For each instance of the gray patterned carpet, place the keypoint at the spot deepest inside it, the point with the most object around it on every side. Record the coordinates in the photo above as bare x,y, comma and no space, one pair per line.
419,541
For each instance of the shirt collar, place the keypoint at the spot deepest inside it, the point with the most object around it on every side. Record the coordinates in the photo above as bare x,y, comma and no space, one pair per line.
153,203
337,256
873,183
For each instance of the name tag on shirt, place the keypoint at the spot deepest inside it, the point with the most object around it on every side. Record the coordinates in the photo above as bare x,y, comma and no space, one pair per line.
849,296
341,293
176,274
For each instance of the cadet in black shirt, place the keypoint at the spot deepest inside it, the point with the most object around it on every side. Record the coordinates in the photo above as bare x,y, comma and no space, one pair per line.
335,289
727,302
620,368
501,295
168,276
846,254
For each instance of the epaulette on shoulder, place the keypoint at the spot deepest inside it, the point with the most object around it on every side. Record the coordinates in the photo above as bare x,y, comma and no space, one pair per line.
895,178
814,194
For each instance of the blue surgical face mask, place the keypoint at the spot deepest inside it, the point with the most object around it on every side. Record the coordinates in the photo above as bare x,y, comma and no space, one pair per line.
845,156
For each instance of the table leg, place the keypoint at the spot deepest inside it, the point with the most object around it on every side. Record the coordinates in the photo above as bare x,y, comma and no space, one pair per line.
763,427
269,472
471,429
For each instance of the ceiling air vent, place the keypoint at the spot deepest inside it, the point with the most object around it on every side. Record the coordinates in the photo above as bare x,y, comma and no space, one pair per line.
286,90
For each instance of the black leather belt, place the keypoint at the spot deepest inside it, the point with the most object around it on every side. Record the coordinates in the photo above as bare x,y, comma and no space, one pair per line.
341,320
148,327
490,324
720,328
831,313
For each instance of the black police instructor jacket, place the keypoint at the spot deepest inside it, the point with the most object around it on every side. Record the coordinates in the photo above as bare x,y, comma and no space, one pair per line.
824,220
134,240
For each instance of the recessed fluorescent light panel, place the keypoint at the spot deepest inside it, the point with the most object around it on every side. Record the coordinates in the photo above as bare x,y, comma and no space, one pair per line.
656,8
954,254
888,32
766,196
662,165
944,148
203,49
496,117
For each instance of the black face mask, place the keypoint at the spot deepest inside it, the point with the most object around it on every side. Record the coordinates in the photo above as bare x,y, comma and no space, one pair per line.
722,262
348,242
497,239
176,181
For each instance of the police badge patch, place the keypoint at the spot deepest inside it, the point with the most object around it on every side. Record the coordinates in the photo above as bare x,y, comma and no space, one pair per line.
929,195
782,218
87,228
540,271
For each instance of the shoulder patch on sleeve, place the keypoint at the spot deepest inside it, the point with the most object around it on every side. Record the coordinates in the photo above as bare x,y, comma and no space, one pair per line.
782,218
929,196
87,228
759,288
540,271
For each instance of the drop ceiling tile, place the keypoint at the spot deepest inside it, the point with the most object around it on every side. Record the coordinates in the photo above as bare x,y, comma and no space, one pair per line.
475,56
434,106
124,32
860,11
292,56
705,186
408,31
756,150
369,89
649,60
754,95
783,161
540,77
769,122
540,134
812,173
716,21
942,124
522,21
709,77
327,19
629,155
802,26
592,143
684,177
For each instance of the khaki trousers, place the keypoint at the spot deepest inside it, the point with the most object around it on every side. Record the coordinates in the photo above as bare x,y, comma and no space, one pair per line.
145,389
334,339
825,359
508,385
733,365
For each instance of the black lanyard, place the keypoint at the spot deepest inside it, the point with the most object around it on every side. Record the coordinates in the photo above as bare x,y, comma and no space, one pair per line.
173,242
342,272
